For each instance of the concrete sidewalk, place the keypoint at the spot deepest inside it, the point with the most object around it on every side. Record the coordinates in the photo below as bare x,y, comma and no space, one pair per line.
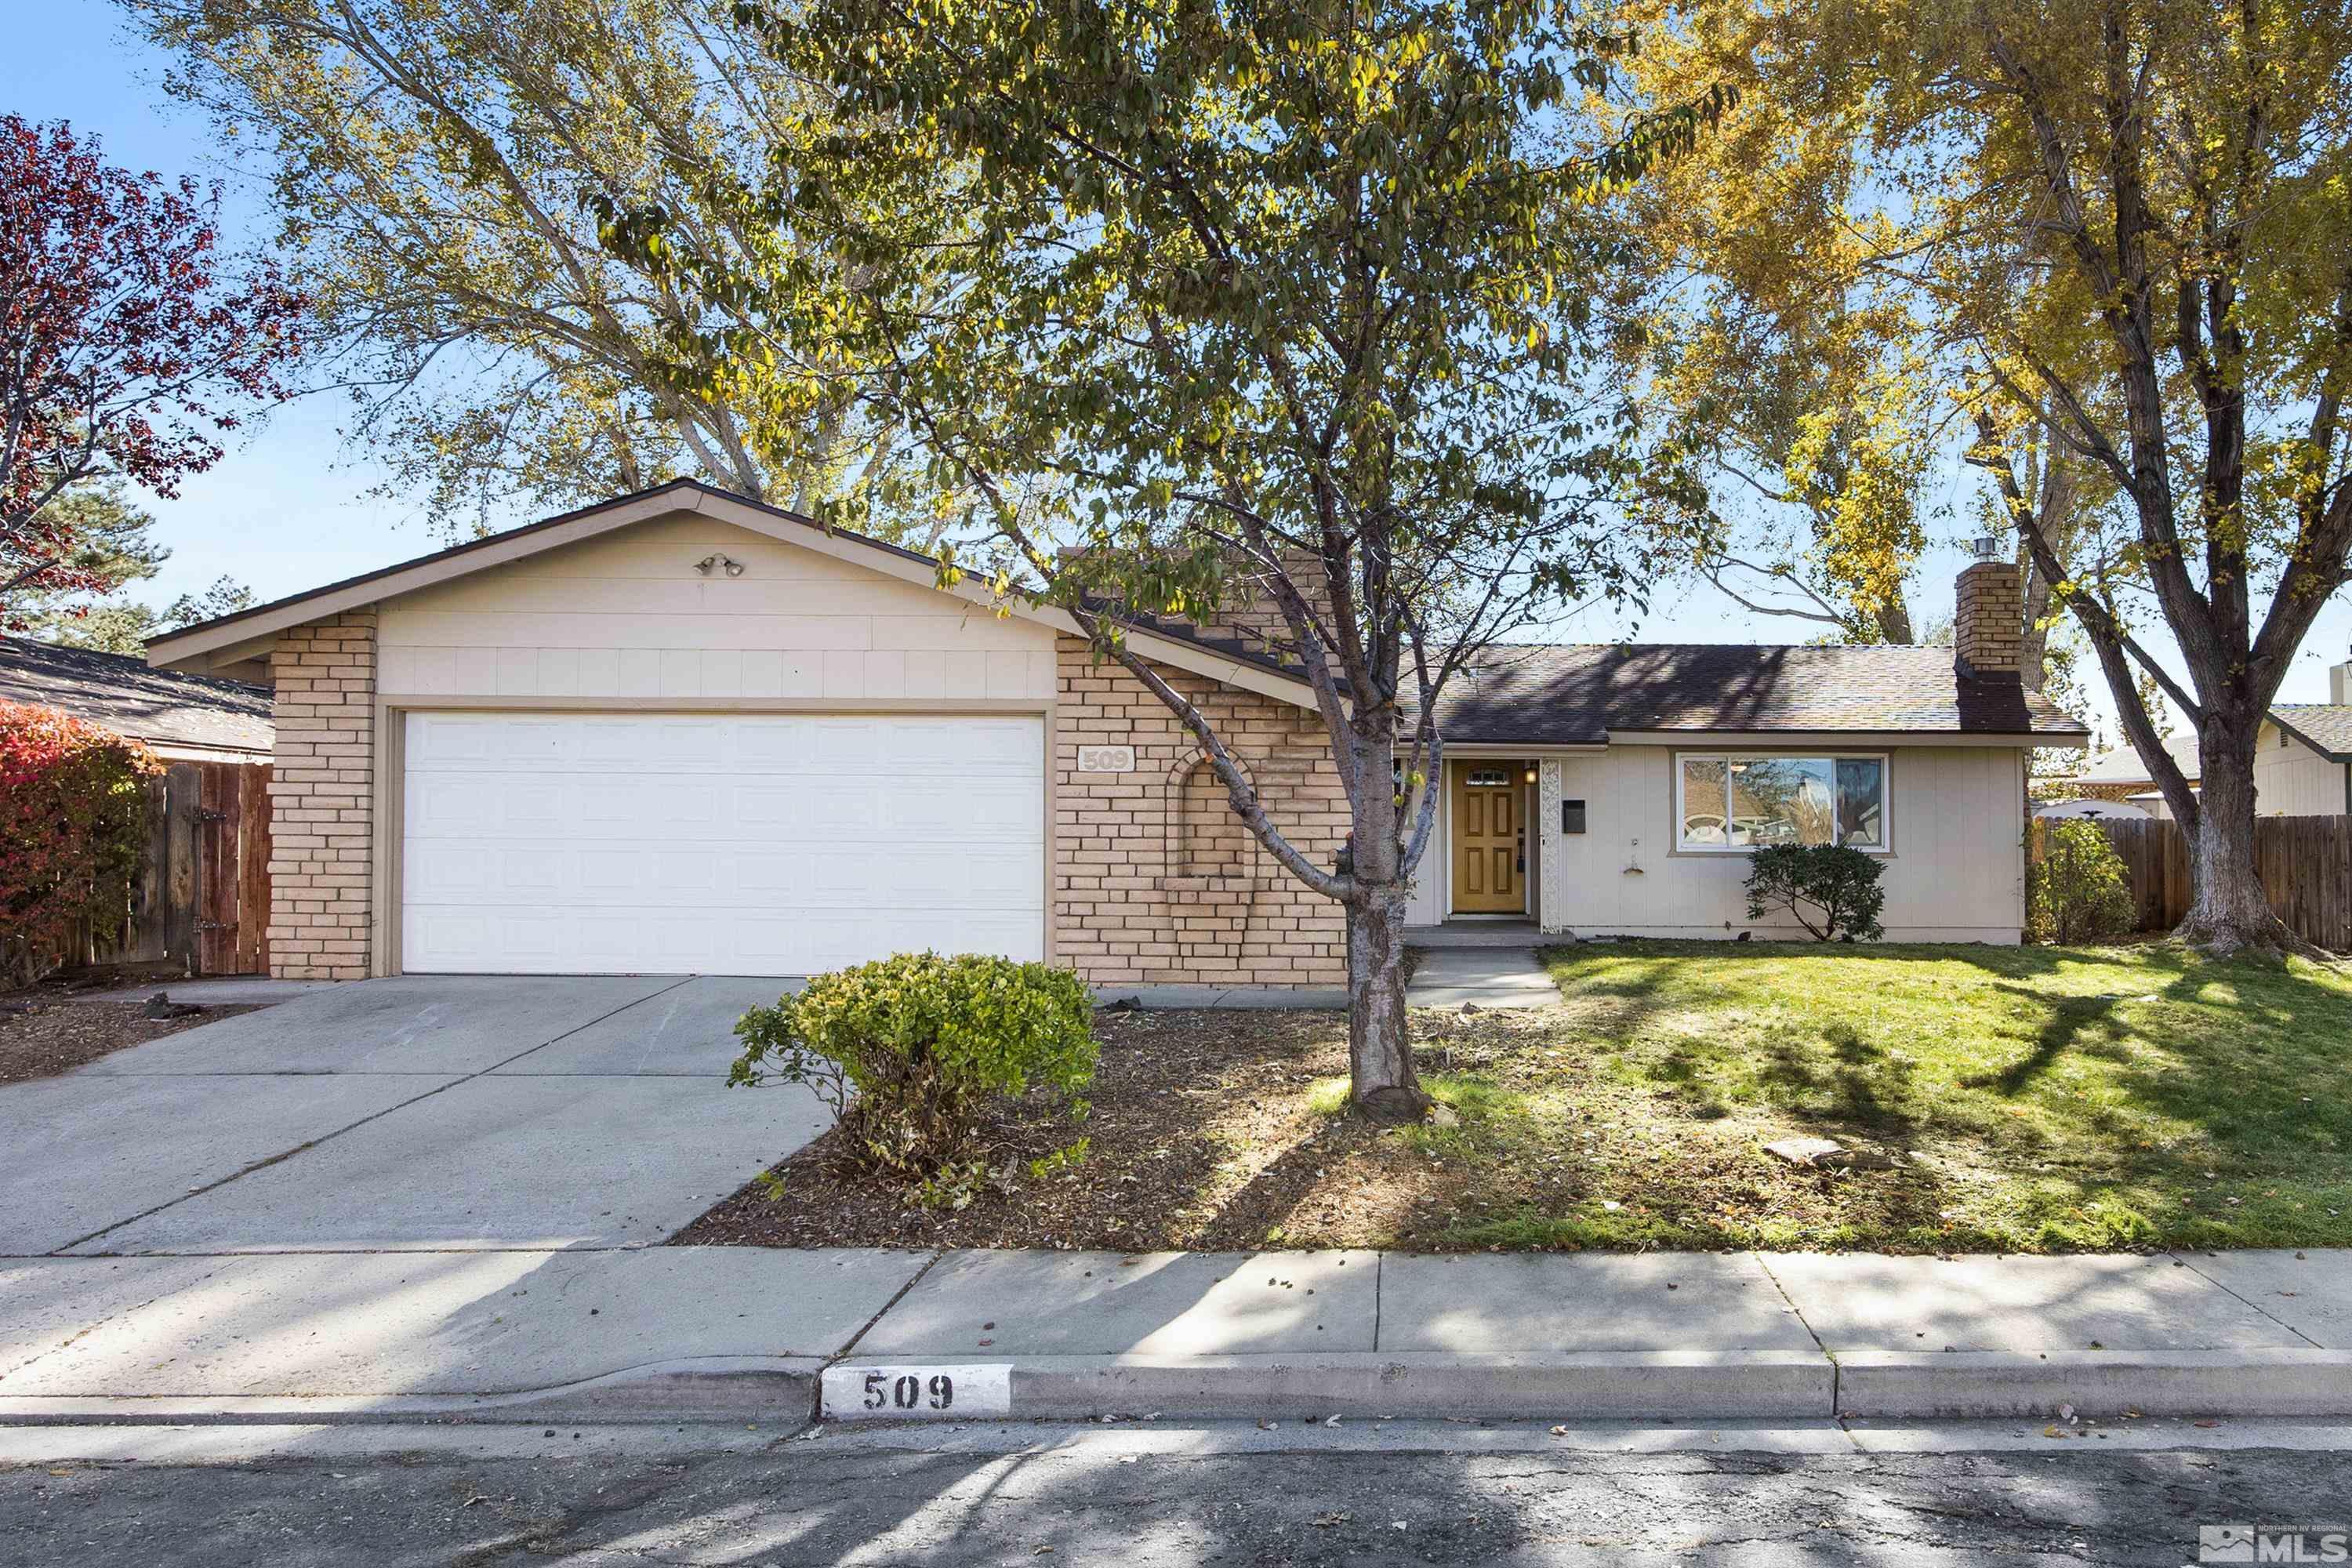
681,1333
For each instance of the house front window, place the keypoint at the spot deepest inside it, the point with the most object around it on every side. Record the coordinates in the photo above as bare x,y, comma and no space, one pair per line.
1733,802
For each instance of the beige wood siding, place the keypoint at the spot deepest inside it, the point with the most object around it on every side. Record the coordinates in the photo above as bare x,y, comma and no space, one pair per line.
627,617
2293,780
1957,872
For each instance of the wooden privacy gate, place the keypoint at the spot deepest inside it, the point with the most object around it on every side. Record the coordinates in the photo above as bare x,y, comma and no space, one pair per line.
2304,862
201,902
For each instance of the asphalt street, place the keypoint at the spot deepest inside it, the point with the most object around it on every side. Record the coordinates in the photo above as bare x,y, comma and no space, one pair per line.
1140,1500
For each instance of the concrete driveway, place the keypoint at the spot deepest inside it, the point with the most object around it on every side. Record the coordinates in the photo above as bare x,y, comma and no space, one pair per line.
420,1113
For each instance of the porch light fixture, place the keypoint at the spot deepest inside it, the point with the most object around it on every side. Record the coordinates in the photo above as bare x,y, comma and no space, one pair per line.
718,562
1531,774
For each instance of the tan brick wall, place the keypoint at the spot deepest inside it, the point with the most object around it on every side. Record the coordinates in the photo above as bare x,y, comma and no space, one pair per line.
1989,619
322,799
1151,887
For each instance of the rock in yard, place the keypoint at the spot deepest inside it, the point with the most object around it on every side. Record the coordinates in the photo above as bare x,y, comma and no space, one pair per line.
1443,1116
1469,1007
1823,1152
1805,1150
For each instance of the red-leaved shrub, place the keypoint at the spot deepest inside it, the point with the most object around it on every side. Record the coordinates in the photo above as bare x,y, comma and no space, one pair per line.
72,826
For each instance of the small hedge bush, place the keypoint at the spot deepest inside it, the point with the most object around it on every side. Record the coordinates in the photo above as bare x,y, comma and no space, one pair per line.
73,824
2080,890
911,1051
1838,885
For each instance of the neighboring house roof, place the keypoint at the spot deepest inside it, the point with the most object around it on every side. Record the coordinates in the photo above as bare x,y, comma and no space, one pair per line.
2122,765
2325,727
161,707
1577,694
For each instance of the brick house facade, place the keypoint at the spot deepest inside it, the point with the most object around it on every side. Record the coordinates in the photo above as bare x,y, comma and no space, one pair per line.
322,865
1155,879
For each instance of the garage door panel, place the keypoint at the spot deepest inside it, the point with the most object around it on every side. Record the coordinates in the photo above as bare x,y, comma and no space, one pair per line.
750,844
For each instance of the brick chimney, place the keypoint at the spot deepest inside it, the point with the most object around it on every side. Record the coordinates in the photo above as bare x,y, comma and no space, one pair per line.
1254,613
1989,620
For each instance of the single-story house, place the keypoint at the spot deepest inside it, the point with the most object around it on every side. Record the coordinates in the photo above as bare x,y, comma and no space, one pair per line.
182,718
2303,761
683,731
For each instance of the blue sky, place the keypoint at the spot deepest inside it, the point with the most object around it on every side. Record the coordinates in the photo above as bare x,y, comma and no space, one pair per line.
288,508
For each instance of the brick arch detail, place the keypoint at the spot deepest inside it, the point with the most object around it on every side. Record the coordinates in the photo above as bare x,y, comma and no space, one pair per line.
1201,837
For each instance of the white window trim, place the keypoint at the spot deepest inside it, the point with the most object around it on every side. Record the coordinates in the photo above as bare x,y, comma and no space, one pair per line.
1885,760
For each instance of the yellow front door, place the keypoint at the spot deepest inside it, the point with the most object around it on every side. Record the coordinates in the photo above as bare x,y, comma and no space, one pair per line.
1488,838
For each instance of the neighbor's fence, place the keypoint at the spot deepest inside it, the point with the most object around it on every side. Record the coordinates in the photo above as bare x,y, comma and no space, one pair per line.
200,903
2305,863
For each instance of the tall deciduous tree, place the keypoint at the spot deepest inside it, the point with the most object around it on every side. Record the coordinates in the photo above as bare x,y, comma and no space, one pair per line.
427,159
2126,226
1299,292
128,347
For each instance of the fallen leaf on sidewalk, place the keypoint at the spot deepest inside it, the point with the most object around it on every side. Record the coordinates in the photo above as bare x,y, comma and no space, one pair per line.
1326,1520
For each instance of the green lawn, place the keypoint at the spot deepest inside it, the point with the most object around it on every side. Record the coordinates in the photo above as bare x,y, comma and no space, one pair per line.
2027,1099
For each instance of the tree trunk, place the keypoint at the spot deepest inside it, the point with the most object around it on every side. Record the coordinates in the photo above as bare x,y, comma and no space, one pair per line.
1381,1080
2229,912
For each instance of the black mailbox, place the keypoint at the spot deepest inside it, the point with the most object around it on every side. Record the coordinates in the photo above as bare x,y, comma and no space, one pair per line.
1572,817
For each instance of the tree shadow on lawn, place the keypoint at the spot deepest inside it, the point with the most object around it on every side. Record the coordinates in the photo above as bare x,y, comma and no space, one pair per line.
2178,1067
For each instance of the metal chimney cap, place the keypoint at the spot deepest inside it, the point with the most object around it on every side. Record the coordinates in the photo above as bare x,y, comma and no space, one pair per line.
1984,547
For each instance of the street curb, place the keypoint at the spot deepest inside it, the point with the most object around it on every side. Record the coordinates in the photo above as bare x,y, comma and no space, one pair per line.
1677,1386
781,1389
1919,1385
1584,1385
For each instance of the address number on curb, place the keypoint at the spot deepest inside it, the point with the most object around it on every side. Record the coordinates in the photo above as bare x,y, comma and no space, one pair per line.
910,1393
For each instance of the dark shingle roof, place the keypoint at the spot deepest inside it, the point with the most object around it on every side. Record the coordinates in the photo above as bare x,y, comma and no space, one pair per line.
1578,693
2324,727
158,706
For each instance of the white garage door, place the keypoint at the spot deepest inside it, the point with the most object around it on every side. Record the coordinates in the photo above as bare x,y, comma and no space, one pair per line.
582,844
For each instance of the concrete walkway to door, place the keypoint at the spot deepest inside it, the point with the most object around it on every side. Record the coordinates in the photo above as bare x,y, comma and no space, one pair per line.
1483,976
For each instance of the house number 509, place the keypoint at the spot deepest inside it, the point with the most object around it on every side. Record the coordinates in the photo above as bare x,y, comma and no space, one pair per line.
918,1391
907,1392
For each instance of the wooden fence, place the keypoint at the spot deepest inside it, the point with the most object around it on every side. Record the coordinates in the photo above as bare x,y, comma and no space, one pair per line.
2305,863
200,904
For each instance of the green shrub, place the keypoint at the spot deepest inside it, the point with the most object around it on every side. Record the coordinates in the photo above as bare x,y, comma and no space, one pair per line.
2080,890
911,1051
1839,886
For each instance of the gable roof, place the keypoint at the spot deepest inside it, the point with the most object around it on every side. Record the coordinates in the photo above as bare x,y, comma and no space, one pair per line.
1579,694
1229,660
2324,727
161,707
1573,694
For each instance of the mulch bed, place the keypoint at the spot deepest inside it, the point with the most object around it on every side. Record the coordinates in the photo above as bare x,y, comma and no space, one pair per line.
56,1036
1201,1137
